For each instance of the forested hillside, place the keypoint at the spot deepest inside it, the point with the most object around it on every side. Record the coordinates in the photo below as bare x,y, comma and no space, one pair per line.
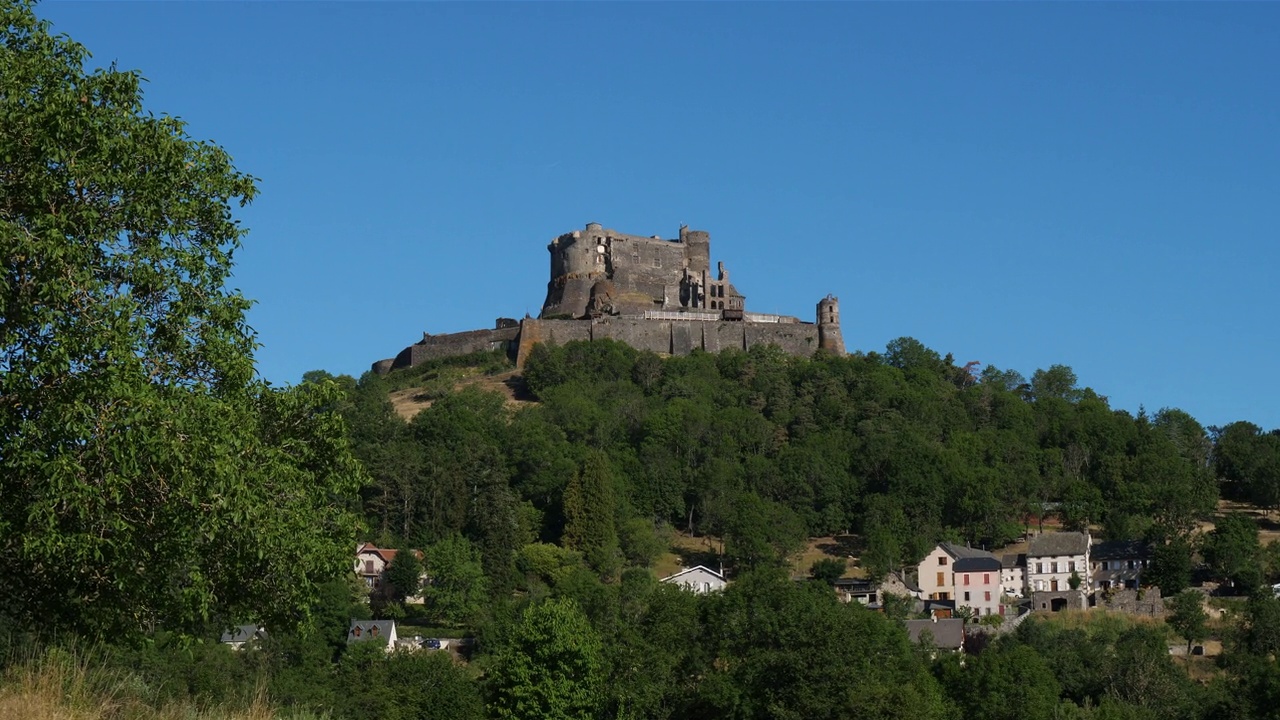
902,449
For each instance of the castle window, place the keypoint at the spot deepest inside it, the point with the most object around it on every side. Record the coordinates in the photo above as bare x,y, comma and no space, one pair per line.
657,261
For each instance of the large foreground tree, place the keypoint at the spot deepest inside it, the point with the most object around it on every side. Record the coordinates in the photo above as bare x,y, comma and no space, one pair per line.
147,476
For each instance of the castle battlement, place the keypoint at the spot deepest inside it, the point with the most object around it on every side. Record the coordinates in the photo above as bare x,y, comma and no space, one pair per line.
651,293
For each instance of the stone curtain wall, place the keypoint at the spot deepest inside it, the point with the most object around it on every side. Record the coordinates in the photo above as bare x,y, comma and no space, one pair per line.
434,347
1136,602
671,337
668,337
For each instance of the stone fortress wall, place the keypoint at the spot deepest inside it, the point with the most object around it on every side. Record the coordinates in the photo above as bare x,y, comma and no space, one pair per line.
652,294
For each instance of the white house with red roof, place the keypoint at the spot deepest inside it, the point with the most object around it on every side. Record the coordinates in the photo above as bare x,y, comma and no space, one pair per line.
371,565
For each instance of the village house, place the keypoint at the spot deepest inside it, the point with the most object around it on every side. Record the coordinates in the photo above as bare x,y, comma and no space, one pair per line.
1119,564
1013,574
946,634
371,565
372,562
373,631
697,579
936,574
978,584
242,635
1053,558
863,592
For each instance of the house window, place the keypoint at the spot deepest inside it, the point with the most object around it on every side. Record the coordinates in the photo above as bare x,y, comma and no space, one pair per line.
942,560
986,578
942,579
987,595
368,567
356,631
1071,566
1039,567
966,596
1055,567
966,578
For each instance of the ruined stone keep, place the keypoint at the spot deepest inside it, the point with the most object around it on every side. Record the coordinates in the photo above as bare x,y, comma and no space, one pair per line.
650,293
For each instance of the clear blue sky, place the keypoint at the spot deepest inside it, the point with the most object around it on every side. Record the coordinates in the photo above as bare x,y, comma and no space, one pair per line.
1096,185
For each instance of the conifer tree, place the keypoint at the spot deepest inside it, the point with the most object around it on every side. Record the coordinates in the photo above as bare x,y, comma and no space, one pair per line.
589,510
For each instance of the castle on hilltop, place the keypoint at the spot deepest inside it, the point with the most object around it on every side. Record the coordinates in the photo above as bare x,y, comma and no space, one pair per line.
647,292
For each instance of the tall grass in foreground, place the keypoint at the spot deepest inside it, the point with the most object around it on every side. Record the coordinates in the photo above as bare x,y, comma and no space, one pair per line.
59,684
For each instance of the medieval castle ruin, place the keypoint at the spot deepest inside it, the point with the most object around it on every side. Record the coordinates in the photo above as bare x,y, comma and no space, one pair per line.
650,293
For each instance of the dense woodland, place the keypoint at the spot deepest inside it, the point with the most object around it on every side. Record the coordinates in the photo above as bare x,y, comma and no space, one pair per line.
155,491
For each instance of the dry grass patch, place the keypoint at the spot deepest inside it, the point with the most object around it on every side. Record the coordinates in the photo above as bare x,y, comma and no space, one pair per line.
831,547
510,384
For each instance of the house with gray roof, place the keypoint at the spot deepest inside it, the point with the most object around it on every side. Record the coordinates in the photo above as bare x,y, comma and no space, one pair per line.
373,631
1013,574
1053,558
978,585
946,634
697,579
1118,564
242,635
936,575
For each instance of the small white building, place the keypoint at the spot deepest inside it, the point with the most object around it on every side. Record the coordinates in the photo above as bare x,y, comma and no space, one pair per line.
1053,558
373,631
1013,574
697,579
242,635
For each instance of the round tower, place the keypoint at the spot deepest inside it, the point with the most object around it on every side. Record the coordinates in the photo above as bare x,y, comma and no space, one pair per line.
829,336
577,260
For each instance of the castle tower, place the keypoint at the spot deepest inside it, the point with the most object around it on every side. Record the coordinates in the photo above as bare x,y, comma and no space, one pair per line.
829,336
697,252
577,262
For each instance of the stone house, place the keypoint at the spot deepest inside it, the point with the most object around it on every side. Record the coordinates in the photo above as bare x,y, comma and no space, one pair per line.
697,579
1118,564
1053,558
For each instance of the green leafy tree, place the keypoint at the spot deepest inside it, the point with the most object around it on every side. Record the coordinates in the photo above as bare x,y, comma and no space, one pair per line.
827,570
642,543
148,477
456,588
1232,553
1008,682
404,575
1188,617
761,532
1170,568
551,666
